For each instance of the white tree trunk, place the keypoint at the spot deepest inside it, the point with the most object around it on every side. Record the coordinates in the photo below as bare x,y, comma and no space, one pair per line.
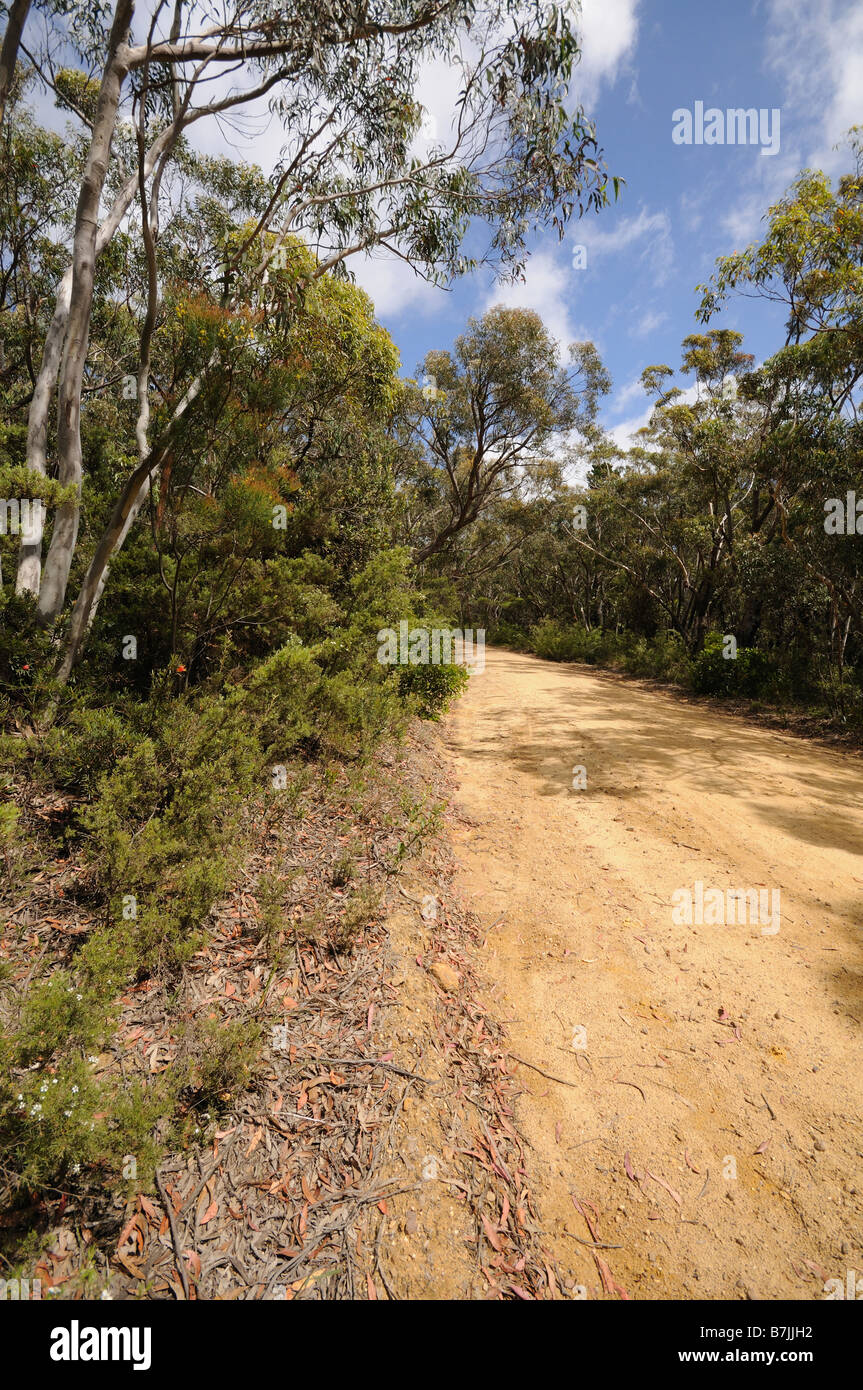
56,573
30,560
9,52
30,556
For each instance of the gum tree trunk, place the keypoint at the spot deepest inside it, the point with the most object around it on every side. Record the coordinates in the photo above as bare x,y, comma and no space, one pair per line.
18,11
30,559
56,573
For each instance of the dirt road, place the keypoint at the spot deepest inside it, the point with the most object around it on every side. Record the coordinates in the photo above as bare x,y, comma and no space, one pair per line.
710,1131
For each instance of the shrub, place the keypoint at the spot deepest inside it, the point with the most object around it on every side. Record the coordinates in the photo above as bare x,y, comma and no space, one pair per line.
663,656
750,673
221,1058
506,634
433,687
712,673
159,781
357,914
8,831
755,672
558,642
77,753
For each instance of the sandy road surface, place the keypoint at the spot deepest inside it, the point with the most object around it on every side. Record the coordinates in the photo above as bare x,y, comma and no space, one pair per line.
726,1063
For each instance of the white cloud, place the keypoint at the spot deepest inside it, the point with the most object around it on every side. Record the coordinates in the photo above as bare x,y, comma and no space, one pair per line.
608,30
646,237
692,208
438,87
817,54
624,432
622,399
393,287
544,289
649,322
762,183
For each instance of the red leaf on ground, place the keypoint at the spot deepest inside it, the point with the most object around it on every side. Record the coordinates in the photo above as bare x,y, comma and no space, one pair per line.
670,1190
608,1282
148,1207
491,1233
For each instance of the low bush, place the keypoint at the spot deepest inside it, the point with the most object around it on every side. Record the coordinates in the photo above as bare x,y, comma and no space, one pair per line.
750,673
506,634
433,687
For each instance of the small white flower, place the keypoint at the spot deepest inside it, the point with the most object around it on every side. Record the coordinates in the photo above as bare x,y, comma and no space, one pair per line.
105,1295
74,1090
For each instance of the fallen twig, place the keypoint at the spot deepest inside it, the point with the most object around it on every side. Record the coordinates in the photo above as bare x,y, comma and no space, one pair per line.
175,1239
592,1245
547,1074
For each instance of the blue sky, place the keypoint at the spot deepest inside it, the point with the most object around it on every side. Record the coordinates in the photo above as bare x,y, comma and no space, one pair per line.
682,206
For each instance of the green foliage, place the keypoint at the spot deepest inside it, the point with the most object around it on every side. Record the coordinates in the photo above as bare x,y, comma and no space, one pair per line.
557,642
76,755
220,1059
483,422
239,617
662,656
749,673
730,517
433,687
505,634
8,826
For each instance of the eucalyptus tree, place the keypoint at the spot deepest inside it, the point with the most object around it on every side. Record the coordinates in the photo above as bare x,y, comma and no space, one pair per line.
342,78
810,261
670,513
489,416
